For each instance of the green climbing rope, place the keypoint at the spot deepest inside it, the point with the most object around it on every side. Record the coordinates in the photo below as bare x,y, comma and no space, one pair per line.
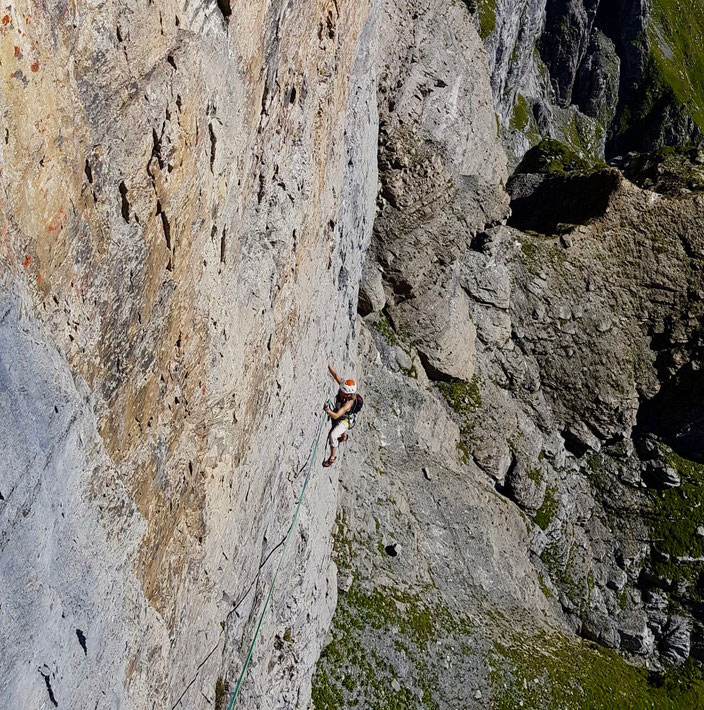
278,567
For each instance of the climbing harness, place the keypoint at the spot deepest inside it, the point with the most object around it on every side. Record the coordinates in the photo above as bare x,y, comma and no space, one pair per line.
351,416
278,567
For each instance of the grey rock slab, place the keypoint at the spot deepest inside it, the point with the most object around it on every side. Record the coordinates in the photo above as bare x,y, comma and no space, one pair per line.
676,641
371,290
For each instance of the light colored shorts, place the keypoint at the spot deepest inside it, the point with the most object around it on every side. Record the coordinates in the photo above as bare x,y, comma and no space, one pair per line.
337,432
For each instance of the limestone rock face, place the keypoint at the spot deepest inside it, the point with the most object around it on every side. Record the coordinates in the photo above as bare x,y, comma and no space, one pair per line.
187,194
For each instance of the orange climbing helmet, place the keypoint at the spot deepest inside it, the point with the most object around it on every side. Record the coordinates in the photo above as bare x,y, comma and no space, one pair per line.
348,387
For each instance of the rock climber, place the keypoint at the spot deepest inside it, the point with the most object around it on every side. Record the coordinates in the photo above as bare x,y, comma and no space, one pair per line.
346,406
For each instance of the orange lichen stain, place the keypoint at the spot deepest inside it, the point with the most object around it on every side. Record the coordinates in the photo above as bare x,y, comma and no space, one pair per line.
27,259
35,66
5,19
39,279
57,223
17,51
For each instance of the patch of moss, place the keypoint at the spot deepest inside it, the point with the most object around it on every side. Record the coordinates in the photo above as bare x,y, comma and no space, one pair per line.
220,694
521,114
595,463
411,372
529,251
679,511
547,510
463,451
326,694
487,17
553,157
464,399
541,581
550,671
384,326
535,475
352,674
485,10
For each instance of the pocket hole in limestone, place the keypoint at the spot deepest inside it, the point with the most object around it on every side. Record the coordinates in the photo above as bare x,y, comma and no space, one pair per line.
45,674
82,640
391,550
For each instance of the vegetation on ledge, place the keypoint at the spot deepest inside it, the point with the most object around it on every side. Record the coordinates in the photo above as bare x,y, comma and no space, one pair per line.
680,511
549,671
554,158
464,398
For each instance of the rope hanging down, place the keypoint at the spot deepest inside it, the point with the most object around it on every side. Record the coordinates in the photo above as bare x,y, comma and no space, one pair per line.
278,567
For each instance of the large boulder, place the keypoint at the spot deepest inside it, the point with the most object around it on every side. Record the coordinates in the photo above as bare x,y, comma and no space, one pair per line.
675,643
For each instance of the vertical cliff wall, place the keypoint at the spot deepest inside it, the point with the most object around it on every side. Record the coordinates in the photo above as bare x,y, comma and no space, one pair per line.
186,194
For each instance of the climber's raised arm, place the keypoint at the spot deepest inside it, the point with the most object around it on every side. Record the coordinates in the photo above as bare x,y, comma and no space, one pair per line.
337,377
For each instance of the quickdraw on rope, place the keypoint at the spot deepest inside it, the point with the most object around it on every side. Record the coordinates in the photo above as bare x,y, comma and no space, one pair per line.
278,567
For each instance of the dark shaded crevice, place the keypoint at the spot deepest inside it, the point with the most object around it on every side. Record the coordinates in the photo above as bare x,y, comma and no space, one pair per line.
225,8
262,188
156,148
213,144
165,224
88,172
505,489
222,245
675,415
265,96
574,444
403,290
49,689
82,640
481,242
166,228
2,497
543,203
125,202
433,373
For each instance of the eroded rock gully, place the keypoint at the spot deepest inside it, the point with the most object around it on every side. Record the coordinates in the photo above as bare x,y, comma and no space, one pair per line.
203,204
